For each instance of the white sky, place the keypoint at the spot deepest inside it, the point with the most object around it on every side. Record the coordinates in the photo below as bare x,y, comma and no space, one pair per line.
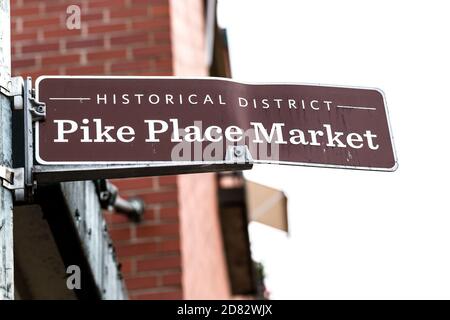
357,234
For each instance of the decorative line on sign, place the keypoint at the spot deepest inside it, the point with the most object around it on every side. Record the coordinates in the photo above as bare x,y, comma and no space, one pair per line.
355,107
76,99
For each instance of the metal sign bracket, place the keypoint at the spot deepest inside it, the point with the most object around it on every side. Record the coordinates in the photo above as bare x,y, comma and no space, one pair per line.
33,111
13,178
26,111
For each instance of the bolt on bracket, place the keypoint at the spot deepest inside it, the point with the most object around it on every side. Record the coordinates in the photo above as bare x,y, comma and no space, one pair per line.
238,154
36,108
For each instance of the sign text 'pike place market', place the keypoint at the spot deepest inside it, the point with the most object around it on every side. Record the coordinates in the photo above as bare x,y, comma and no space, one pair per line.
147,119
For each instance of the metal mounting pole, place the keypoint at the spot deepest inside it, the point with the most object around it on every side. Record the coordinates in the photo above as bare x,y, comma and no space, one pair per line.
6,196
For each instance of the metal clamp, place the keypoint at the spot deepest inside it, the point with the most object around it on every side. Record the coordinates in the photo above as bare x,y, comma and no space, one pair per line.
14,91
107,193
5,83
37,109
12,179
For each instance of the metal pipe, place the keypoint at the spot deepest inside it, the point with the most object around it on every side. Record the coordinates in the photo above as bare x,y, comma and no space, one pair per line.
110,199
133,208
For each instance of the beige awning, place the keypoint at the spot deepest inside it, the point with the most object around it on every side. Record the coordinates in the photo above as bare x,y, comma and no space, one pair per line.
267,205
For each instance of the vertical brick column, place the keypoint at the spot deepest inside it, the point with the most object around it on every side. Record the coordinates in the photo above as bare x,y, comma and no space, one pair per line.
150,251
205,275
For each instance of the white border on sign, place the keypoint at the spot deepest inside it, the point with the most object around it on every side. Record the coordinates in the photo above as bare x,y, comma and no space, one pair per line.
180,163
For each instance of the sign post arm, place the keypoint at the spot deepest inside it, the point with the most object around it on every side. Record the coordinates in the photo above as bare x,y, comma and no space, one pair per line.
44,174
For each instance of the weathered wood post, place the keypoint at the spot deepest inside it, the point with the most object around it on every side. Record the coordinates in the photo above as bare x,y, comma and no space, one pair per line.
6,200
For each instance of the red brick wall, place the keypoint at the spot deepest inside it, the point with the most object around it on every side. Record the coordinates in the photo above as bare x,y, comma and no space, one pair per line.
150,251
138,37
117,37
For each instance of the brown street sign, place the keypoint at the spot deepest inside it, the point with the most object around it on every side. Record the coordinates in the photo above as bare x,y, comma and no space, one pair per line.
145,120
